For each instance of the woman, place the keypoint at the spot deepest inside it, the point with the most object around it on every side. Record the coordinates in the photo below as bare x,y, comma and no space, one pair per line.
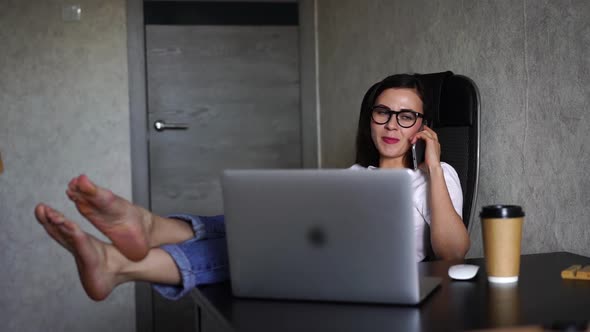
181,251
384,140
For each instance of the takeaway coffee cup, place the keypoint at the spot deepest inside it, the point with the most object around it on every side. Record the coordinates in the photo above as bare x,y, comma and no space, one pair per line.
502,234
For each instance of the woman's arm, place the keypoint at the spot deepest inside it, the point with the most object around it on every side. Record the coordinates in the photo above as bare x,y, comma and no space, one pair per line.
448,235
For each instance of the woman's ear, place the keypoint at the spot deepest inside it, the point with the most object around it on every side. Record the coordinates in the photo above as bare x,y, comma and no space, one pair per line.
424,122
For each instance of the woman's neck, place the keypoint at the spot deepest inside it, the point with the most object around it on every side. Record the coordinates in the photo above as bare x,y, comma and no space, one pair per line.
391,163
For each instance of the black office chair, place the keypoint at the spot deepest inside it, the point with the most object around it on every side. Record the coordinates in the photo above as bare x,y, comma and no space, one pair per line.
454,104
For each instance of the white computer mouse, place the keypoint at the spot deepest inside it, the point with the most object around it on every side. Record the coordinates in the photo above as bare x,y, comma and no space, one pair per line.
463,271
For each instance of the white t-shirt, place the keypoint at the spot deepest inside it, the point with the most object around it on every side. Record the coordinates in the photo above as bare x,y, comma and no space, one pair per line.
420,198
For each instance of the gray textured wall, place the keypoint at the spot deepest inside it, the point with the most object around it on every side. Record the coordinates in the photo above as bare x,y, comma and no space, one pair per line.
63,111
531,61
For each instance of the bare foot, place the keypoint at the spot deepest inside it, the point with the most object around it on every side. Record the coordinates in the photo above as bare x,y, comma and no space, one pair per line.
128,226
98,262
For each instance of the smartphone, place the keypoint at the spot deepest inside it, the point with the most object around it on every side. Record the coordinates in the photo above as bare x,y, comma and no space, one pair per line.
418,151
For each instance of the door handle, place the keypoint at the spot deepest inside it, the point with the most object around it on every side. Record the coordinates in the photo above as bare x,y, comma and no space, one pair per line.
161,126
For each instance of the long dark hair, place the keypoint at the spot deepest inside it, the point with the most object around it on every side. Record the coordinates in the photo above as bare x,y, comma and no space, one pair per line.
366,152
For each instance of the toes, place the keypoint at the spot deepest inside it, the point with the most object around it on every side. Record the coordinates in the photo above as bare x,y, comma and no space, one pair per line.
86,186
57,235
73,184
70,228
63,231
68,234
81,185
54,216
78,198
40,214
72,195
57,231
48,216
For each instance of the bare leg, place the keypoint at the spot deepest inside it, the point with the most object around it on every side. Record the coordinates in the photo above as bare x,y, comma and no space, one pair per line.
101,266
132,229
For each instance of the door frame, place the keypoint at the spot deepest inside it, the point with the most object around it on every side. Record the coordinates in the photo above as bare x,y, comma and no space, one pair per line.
136,62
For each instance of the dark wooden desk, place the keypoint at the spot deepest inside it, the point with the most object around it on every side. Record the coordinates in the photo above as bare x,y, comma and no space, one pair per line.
540,297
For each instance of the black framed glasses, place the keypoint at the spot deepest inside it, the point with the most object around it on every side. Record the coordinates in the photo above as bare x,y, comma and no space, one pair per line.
405,118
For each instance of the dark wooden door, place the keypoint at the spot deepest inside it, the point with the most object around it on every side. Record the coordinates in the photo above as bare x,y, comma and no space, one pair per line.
234,90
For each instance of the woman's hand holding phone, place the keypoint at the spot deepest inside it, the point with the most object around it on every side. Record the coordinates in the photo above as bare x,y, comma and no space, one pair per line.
431,151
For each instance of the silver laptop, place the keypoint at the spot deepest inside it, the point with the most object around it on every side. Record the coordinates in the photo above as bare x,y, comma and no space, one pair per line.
328,235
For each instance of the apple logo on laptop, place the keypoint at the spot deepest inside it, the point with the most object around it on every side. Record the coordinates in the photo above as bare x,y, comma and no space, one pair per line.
316,236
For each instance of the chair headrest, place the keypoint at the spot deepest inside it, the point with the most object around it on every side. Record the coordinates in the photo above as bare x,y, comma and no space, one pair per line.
451,98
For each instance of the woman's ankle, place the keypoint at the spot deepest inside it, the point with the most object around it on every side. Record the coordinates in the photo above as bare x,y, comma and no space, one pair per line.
169,230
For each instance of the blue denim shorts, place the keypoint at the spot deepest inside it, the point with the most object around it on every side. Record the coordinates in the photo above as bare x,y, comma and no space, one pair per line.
200,260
